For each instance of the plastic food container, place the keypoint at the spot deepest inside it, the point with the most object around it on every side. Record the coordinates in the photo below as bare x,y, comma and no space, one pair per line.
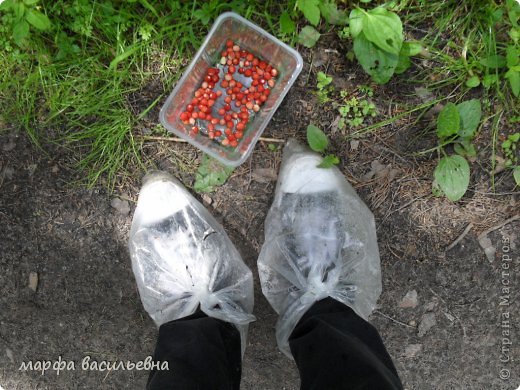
230,26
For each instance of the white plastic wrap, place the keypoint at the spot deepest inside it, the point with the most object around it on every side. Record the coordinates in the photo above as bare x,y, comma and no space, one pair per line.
320,241
181,257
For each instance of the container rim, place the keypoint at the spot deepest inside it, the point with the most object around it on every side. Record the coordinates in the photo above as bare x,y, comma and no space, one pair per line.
180,82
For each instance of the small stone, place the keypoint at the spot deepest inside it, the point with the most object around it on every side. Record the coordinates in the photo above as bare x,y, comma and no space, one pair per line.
412,350
354,144
428,321
449,317
409,300
121,206
206,200
264,175
55,169
412,323
488,247
9,354
430,306
33,281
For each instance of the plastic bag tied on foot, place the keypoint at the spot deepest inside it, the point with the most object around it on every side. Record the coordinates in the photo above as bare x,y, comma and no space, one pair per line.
320,241
181,257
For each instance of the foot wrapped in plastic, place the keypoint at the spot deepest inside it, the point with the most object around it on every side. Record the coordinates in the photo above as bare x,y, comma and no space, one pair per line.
320,241
182,258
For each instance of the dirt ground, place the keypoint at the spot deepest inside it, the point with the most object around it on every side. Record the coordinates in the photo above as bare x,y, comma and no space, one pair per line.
460,331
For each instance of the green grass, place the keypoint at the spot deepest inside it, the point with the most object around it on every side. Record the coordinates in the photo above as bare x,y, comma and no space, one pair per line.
72,84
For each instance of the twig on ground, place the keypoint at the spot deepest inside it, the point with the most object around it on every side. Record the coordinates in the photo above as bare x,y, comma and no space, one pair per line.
496,227
393,319
460,237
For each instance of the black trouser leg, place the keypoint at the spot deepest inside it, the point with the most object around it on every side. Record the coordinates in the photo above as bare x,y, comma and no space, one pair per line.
202,353
334,348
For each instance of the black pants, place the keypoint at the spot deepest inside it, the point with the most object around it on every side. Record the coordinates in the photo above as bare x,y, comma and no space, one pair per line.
333,348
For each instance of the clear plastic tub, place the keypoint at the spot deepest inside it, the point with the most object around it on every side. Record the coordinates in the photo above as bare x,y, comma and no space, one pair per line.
230,26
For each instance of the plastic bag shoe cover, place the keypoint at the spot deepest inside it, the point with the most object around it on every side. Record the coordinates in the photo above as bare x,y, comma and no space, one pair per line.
181,257
320,241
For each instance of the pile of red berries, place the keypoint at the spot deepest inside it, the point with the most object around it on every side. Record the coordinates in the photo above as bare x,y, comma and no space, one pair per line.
229,96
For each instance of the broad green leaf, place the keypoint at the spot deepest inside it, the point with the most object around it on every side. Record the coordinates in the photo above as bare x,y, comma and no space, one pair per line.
20,31
448,122
4,5
403,64
331,14
473,82
310,10
516,175
512,56
384,29
493,61
210,174
329,161
316,139
287,25
308,36
19,10
465,148
377,63
411,48
355,21
514,80
37,19
452,175
470,113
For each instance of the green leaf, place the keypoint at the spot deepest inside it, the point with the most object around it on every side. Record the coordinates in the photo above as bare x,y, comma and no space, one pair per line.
308,36
448,122
20,31
452,175
384,29
329,161
123,56
30,2
473,82
512,56
516,175
287,25
316,139
355,20
211,173
493,61
403,64
514,80
489,80
470,113
331,14
38,20
376,62
5,5
310,10
411,49
465,148
19,10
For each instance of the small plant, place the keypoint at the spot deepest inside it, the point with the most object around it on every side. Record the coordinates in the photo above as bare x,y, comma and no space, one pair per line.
22,16
379,43
509,147
354,110
456,125
313,11
324,87
318,142
210,174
